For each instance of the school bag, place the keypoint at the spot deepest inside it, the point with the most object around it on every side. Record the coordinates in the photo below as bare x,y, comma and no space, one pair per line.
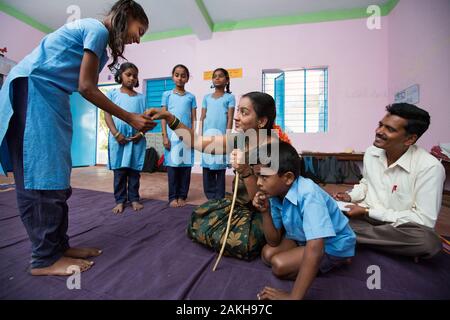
310,168
150,160
350,172
329,171
160,165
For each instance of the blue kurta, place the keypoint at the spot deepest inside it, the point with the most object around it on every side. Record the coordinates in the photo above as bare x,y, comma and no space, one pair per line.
181,107
130,155
214,124
53,70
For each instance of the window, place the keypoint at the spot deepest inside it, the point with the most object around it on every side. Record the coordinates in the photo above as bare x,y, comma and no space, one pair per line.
301,98
154,91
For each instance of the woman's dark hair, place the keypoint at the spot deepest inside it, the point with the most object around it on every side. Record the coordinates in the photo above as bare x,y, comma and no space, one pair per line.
264,106
227,76
418,119
120,12
122,69
181,66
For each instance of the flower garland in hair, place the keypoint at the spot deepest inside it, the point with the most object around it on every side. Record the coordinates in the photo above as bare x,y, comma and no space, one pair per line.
281,134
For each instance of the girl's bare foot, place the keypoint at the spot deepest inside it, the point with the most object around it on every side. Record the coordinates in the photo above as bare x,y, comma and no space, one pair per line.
63,267
82,253
118,209
181,202
136,206
173,203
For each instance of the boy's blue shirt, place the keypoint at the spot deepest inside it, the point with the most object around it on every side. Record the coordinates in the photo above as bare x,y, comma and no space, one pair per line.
307,212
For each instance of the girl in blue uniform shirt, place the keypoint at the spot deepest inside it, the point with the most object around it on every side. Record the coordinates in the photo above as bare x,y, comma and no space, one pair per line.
217,117
177,156
37,125
126,145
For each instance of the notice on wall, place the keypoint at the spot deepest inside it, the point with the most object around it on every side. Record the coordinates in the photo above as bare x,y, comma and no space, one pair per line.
409,95
234,73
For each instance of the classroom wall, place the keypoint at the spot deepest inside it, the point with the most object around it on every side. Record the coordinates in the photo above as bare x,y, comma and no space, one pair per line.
366,67
419,53
18,37
356,58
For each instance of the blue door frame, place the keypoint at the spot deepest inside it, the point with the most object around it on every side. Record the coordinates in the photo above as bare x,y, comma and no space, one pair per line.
84,140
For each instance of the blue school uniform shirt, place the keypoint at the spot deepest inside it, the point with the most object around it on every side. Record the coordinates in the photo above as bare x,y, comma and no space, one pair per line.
130,155
215,123
53,70
308,212
181,107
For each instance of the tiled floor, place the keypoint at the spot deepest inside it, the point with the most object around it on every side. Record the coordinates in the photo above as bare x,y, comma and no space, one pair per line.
154,186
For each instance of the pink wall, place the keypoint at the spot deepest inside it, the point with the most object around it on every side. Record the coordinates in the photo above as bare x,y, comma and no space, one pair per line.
356,57
18,37
366,67
419,52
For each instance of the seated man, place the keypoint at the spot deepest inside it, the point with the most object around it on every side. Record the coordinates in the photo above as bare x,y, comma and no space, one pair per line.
399,197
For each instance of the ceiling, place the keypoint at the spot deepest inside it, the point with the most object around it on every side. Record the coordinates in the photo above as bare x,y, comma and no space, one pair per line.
170,18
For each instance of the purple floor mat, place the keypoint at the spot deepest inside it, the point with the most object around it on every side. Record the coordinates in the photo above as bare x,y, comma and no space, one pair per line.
147,255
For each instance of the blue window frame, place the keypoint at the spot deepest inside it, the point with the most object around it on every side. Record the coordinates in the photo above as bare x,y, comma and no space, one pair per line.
154,91
301,98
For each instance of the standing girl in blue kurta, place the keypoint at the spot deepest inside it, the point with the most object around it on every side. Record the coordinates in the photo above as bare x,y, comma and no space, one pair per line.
126,145
178,157
216,119
37,125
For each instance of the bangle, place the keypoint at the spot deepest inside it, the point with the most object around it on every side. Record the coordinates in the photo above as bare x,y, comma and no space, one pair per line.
175,123
142,134
117,134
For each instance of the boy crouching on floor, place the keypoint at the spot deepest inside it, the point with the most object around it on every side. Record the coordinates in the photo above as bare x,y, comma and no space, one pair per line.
305,230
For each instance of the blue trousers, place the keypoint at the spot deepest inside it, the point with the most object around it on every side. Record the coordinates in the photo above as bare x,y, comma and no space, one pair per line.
126,179
44,213
179,180
214,183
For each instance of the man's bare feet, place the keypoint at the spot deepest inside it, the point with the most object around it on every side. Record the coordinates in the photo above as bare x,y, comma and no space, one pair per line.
173,203
136,206
181,202
82,253
63,267
118,209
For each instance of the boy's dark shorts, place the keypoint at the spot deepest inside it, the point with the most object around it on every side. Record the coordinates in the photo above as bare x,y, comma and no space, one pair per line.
330,262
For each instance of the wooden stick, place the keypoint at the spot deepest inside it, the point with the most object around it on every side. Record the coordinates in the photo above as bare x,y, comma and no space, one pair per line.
229,220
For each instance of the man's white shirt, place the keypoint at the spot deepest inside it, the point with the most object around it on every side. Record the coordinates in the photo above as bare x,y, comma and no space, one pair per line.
409,190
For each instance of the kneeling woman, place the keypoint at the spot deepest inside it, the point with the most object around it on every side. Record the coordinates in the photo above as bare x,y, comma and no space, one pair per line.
256,111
